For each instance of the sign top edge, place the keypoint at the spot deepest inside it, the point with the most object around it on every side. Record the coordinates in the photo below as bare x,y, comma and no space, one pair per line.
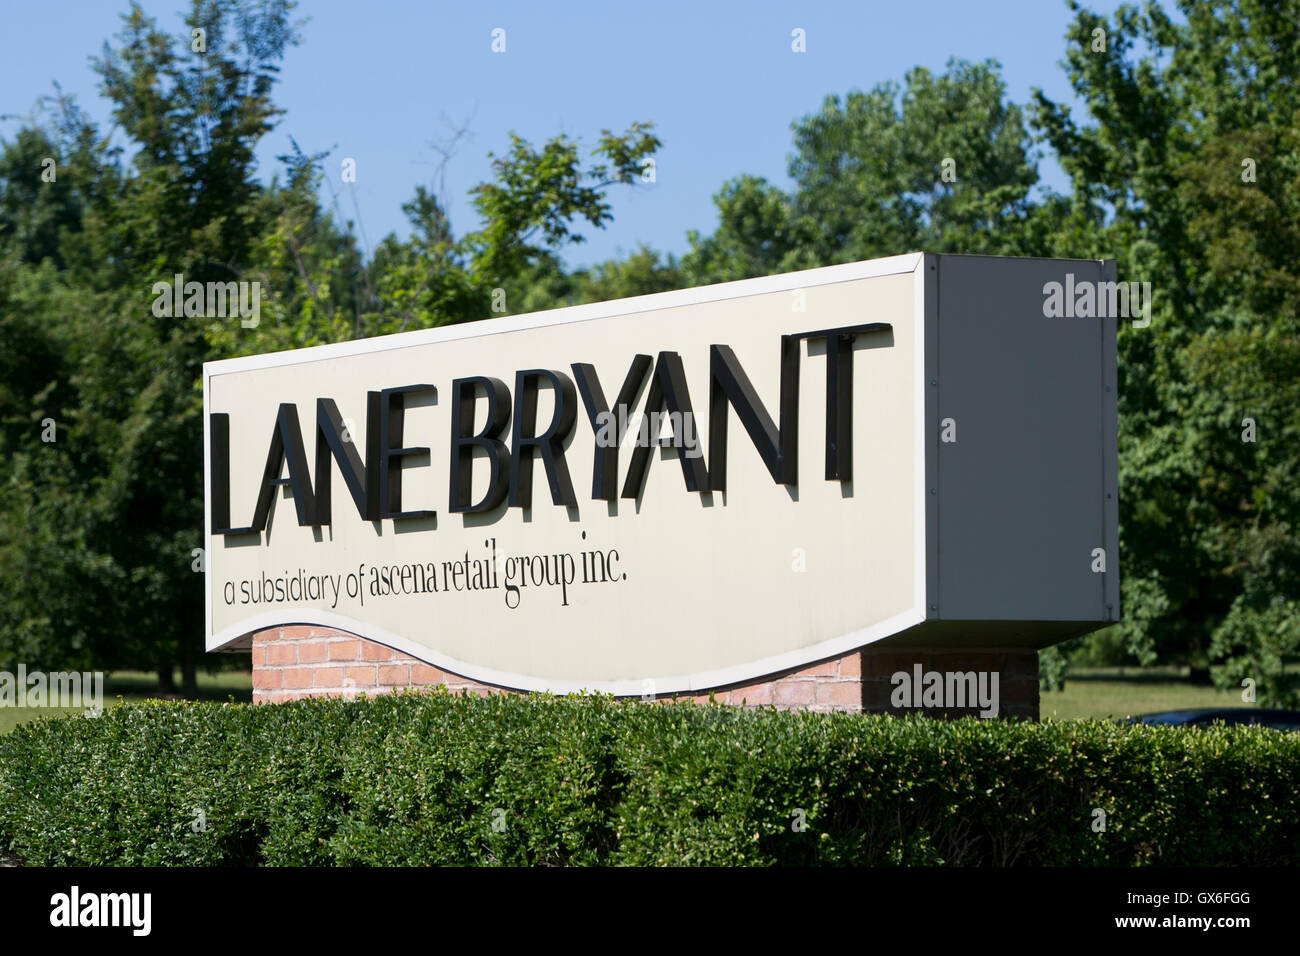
611,308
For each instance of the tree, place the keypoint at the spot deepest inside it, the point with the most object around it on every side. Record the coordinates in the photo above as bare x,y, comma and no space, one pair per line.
1207,519
943,164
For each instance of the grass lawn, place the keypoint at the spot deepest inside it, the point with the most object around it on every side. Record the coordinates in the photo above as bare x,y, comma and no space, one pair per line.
1092,692
1124,691
138,685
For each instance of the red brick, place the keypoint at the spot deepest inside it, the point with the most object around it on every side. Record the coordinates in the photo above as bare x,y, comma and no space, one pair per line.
426,674
968,662
840,695
795,692
327,676
824,669
850,682
345,650
754,695
877,664
851,665
370,651
297,677
364,676
394,674
310,652
281,654
266,678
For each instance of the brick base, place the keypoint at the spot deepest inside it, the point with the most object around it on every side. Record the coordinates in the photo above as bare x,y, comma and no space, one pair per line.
306,661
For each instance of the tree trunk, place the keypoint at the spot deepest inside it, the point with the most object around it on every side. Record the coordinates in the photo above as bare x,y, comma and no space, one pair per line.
189,677
166,679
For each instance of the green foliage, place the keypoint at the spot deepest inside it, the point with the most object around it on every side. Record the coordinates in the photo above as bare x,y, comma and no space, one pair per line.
539,192
1186,170
1053,664
644,272
97,528
435,779
1104,648
869,172
33,217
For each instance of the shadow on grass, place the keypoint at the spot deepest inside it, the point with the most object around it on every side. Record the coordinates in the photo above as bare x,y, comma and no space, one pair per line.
218,687
1130,675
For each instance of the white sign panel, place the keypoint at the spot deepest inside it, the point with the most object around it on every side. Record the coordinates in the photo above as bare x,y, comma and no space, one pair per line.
671,492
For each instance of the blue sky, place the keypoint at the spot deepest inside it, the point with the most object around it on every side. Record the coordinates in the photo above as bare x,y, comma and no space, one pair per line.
384,81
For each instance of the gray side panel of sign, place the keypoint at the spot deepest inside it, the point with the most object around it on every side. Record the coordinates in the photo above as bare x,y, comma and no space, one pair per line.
1022,491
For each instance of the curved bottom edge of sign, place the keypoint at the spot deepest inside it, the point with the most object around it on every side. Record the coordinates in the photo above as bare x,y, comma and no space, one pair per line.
635,687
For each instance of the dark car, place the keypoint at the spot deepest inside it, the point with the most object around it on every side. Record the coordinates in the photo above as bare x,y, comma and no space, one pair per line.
1258,716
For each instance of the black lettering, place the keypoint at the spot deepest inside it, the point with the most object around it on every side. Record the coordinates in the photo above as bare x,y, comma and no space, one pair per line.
392,412
464,441
668,390
604,468
330,442
219,457
549,445
728,383
286,446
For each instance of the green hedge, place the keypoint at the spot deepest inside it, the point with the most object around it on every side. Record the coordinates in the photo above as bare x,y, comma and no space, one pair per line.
432,778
